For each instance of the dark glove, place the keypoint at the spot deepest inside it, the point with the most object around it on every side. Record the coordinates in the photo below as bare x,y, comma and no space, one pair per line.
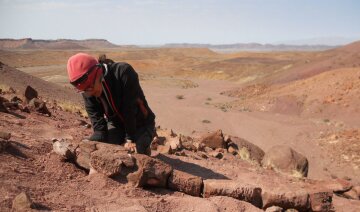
99,136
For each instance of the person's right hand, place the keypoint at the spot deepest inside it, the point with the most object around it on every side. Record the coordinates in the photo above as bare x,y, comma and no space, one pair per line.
130,146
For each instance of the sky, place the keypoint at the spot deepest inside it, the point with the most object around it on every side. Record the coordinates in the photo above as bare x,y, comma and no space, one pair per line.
156,22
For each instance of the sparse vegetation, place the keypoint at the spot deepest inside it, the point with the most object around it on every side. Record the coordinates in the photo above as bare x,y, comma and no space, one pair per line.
70,107
205,121
208,99
180,96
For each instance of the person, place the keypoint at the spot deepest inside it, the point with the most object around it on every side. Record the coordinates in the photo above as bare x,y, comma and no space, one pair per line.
114,101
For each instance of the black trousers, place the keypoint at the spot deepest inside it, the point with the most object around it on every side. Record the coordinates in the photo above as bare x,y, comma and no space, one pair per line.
143,136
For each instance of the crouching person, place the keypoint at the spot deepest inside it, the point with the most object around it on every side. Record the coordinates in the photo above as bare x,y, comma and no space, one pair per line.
114,101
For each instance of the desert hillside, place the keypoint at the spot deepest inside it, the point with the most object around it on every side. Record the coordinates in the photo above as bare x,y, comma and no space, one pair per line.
245,131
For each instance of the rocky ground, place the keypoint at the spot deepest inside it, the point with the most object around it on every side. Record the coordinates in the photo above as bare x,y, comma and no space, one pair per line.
46,165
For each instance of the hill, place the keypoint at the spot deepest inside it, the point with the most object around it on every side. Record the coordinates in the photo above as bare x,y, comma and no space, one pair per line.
60,44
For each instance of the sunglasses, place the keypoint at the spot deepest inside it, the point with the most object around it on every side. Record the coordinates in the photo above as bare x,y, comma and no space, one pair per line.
85,76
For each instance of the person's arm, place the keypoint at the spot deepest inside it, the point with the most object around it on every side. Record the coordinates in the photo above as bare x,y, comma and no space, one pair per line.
96,116
131,86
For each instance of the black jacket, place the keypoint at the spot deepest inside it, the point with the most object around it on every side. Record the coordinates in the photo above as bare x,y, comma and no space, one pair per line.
122,101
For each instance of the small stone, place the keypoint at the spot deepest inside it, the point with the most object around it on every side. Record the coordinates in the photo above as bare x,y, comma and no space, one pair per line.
64,149
30,93
175,144
232,150
215,154
164,149
5,135
274,209
22,202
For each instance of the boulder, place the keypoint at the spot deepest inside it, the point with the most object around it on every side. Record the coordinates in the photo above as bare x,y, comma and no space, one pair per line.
286,199
186,183
64,149
246,150
237,190
150,172
22,202
321,201
30,93
286,160
213,139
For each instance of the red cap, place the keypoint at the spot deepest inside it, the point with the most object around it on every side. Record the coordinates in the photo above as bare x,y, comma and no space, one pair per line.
78,65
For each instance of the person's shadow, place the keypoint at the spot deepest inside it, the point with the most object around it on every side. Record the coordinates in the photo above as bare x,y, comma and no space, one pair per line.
191,168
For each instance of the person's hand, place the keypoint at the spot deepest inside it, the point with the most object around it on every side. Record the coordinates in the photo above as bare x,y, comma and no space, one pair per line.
130,146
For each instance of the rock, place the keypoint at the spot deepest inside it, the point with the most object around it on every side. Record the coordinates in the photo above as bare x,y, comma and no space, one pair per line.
16,99
83,153
3,108
298,200
357,190
237,190
202,154
30,93
5,135
246,150
216,154
187,143
175,144
321,201
274,209
3,145
232,150
24,108
199,146
64,149
11,105
338,185
150,172
172,133
39,106
352,194
213,139
186,183
22,202
286,160
164,149
208,149
158,140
